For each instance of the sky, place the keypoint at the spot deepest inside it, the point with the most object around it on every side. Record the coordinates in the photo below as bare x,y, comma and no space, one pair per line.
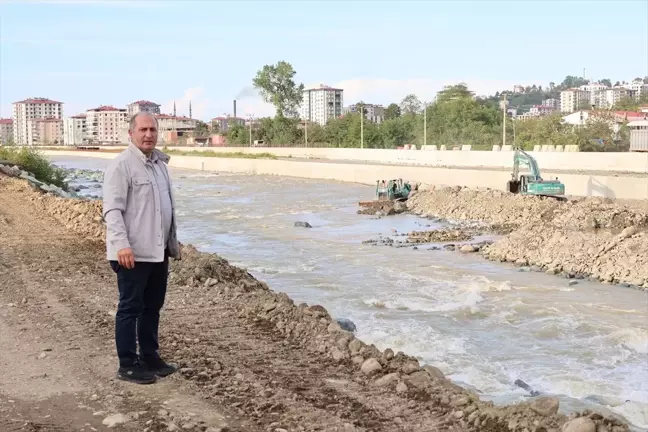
111,52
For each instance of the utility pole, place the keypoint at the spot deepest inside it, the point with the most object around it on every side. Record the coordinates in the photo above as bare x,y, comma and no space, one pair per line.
251,115
424,123
306,132
361,126
504,122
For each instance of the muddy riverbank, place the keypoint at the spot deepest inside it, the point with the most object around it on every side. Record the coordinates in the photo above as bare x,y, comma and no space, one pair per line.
584,238
223,325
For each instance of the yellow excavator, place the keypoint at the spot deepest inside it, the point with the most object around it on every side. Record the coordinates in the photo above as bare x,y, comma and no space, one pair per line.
532,183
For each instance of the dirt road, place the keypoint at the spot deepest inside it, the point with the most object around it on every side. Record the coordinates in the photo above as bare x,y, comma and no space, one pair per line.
251,360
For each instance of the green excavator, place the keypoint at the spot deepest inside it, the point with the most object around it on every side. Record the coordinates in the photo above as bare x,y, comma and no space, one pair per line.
393,190
532,183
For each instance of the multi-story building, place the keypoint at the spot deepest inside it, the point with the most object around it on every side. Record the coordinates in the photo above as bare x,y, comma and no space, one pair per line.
223,123
74,130
143,106
373,113
29,109
321,104
45,131
638,88
573,99
172,127
612,96
553,103
107,125
6,131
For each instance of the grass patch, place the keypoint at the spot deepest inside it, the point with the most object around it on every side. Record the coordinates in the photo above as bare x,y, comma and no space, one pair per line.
33,161
211,153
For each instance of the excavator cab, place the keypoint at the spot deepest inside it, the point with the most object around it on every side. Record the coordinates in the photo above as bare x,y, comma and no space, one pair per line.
532,183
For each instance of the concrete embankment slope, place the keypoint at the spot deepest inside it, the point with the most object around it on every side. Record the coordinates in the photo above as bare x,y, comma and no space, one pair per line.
609,184
222,325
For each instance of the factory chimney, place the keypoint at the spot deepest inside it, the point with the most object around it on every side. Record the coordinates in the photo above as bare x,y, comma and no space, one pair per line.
234,108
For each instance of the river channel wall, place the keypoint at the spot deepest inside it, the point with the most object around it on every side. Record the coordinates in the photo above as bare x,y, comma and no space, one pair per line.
615,162
633,185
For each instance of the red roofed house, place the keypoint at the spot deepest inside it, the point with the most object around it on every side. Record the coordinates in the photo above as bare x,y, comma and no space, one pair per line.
6,130
107,125
143,106
24,130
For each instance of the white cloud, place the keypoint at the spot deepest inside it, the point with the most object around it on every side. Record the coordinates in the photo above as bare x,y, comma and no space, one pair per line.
199,103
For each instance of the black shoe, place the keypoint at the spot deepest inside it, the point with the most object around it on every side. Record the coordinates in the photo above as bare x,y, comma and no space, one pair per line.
158,366
137,374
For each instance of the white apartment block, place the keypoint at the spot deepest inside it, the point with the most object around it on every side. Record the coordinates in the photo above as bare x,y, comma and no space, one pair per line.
373,113
74,130
321,104
143,106
107,125
6,131
572,99
167,122
29,109
637,87
553,103
45,131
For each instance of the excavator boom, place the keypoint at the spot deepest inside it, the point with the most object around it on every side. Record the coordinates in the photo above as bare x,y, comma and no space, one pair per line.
532,183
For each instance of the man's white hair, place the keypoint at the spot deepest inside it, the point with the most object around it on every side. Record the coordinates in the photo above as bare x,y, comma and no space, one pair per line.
131,125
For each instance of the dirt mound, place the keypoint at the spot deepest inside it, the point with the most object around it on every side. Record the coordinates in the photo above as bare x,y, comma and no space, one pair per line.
589,237
382,390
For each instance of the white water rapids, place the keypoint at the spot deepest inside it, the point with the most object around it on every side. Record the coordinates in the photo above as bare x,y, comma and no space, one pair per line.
483,324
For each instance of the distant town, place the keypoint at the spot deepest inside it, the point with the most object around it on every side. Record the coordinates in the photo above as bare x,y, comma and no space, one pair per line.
39,121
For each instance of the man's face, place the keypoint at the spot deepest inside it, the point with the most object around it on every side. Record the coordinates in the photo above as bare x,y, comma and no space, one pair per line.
145,134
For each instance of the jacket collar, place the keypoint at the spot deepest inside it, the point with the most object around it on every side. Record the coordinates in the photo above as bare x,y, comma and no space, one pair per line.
156,154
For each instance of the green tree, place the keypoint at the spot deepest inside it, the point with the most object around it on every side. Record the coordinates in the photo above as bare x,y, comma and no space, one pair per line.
276,85
201,129
392,111
606,81
410,105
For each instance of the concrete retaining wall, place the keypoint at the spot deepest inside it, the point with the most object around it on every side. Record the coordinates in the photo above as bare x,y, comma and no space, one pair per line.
621,187
563,161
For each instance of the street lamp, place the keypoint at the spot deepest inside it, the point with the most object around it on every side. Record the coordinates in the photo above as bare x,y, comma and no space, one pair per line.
250,116
504,105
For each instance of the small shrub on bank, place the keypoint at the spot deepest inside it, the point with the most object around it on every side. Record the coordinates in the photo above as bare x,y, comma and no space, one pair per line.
31,160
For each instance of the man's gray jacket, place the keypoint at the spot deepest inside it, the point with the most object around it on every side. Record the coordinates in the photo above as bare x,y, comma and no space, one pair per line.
130,195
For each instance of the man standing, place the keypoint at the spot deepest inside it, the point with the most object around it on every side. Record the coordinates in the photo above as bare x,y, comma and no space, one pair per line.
138,208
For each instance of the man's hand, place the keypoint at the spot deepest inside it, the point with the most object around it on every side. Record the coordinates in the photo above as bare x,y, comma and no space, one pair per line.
126,258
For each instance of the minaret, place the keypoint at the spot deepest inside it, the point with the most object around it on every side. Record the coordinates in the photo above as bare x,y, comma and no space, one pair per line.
190,110
174,109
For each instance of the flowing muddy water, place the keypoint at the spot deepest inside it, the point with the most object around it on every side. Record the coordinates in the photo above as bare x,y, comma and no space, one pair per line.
483,324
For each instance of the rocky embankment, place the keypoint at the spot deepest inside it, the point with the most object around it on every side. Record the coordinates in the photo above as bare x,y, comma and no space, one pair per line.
426,398
582,238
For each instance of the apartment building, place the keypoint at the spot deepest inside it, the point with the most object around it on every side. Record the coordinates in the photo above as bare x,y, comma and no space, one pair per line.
6,130
553,103
45,131
74,130
373,113
321,104
107,125
223,123
142,106
573,99
638,88
29,109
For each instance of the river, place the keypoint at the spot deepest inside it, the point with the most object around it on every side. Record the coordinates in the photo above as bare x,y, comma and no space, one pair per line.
483,324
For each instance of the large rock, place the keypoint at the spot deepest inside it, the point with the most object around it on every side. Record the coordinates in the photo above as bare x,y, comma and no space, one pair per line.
370,366
546,406
581,424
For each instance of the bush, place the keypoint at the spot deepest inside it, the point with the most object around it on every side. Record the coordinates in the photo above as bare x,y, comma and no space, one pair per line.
31,160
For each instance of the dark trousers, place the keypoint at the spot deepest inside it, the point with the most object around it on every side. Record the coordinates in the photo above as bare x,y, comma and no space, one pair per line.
142,290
